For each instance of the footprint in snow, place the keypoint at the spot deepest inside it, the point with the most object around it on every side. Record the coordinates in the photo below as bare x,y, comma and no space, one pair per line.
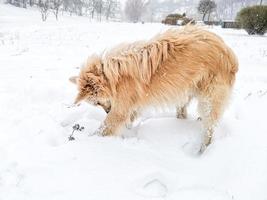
152,186
10,175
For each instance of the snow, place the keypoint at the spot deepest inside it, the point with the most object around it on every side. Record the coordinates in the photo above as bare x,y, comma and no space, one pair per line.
154,160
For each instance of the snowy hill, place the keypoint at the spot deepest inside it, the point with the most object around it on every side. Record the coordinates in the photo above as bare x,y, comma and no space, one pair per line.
154,160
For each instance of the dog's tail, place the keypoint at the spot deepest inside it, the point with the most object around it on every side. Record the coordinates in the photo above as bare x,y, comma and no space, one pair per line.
231,66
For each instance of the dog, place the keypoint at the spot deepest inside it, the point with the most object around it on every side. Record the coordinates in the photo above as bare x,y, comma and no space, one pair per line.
170,69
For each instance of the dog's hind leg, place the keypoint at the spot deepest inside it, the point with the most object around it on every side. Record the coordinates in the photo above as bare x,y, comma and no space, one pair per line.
133,116
181,112
211,106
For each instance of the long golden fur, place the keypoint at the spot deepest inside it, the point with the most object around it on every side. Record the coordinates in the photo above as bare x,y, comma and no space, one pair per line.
171,68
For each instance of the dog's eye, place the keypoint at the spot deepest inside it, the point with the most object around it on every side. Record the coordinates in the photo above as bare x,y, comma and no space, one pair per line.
89,86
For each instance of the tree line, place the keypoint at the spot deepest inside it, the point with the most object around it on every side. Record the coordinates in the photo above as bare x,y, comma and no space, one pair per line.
139,10
97,9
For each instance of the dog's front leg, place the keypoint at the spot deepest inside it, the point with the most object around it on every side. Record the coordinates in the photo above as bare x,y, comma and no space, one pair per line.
113,122
132,117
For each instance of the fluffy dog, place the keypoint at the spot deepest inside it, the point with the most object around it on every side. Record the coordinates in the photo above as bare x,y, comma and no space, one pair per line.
170,69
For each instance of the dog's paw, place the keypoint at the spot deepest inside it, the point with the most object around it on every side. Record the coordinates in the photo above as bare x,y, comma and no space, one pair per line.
199,119
103,131
129,125
181,116
100,131
202,148
195,149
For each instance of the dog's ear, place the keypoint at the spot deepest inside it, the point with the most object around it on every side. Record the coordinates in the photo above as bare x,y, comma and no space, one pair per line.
89,86
74,79
93,83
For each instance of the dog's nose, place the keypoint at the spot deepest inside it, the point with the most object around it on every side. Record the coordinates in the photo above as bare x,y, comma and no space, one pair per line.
107,110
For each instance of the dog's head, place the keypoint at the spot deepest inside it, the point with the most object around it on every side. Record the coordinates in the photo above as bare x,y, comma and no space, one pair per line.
92,84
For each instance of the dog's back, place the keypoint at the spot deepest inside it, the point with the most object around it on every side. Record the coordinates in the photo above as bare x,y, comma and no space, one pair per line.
195,60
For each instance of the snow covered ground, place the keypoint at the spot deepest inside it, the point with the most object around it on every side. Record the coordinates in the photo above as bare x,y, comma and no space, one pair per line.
155,160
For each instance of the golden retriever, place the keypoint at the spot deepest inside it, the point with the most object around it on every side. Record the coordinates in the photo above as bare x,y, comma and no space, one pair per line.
170,69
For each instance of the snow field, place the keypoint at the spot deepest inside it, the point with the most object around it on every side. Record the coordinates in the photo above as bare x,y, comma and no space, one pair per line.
154,160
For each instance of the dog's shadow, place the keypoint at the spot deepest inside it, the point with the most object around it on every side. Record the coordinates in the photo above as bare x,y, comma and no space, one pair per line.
167,132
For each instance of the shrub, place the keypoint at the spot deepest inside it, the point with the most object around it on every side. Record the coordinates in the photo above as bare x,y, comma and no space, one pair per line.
253,19
173,18
188,20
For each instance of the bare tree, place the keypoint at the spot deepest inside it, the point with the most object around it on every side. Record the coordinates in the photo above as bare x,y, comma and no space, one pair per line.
55,7
24,3
152,7
31,2
78,7
66,4
110,8
134,9
93,8
99,7
44,8
87,4
18,3
206,7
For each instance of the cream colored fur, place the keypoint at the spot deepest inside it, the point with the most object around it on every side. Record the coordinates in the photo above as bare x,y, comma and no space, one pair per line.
170,69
